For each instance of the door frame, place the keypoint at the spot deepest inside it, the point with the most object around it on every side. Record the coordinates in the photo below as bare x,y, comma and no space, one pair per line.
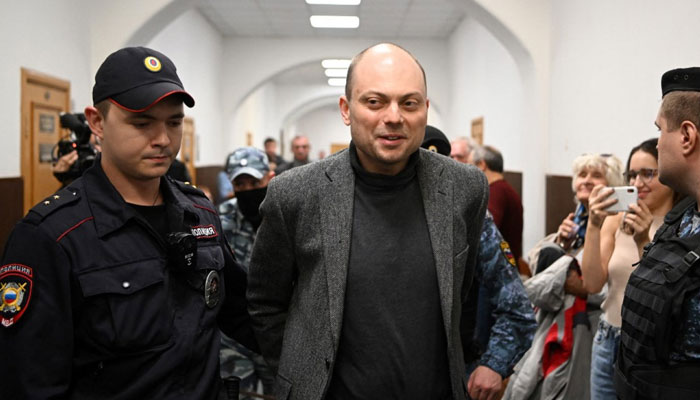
33,77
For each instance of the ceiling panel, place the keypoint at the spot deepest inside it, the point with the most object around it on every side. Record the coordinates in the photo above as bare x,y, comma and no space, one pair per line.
379,19
394,19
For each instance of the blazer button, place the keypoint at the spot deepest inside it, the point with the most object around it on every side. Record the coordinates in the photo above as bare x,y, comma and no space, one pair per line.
328,363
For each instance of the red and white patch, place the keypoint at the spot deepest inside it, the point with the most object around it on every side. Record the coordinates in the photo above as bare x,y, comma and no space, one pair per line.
16,282
204,232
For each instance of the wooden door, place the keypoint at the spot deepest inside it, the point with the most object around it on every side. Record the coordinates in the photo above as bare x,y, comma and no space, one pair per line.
43,99
187,150
336,147
478,130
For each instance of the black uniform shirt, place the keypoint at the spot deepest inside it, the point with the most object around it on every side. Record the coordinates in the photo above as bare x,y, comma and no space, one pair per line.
102,312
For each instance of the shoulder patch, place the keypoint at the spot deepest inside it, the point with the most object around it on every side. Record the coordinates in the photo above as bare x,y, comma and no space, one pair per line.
57,200
505,249
15,292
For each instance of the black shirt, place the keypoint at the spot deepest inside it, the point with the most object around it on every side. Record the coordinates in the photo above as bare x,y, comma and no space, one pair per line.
393,342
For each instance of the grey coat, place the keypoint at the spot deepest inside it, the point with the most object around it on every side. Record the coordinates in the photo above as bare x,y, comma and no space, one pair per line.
296,283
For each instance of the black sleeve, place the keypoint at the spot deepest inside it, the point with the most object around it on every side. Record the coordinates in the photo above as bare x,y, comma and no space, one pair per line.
36,341
233,317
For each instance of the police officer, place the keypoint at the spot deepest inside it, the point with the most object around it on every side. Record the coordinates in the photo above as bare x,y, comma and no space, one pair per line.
111,287
249,170
659,353
499,326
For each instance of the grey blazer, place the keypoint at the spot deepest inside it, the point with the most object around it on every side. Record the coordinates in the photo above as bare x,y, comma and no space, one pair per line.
296,283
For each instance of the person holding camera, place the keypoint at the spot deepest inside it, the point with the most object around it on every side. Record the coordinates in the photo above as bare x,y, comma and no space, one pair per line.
558,363
614,243
77,153
659,354
112,287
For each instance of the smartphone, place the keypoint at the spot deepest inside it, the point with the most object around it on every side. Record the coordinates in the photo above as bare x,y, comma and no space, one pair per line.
625,195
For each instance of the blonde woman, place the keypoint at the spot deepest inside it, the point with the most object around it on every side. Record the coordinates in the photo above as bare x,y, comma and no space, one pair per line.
557,366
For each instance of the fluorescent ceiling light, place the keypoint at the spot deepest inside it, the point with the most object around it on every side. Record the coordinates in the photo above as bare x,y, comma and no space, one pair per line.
336,81
337,72
335,63
335,2
334,21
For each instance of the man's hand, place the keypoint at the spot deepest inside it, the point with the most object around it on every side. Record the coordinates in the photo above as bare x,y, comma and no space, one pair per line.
574,284
266,179
65,162
484,384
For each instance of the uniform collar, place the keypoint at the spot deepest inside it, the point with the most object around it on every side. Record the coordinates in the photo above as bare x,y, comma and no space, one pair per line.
679,209
110,210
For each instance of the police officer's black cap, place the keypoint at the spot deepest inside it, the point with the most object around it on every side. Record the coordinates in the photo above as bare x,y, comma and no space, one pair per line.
436,141
681,79
137,78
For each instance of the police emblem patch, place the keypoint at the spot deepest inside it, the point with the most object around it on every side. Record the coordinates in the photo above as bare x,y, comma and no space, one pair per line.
152,64
15,292
505,248
204,232
212,293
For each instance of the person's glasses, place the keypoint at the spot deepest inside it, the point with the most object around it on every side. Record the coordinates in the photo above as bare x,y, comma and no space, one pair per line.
645,174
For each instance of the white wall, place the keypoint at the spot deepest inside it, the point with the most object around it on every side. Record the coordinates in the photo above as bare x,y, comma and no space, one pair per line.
54,43
486,82
196,49
113,23
607,62
322,126
257,116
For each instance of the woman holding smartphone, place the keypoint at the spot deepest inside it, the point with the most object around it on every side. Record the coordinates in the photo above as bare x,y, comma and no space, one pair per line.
614,244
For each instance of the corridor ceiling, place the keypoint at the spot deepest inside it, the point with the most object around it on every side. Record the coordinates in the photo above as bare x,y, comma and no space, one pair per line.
379,19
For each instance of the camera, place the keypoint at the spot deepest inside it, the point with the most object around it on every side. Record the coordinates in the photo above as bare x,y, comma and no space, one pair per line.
79,140
182,251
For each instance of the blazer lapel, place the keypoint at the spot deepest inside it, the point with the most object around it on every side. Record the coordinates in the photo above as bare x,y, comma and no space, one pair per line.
336,226
437,201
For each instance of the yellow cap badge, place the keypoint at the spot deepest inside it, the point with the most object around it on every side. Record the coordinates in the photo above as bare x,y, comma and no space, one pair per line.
433,148
152,63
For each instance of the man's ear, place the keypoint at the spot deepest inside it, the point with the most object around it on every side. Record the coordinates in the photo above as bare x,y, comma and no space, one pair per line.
689,137
344,105
95,120
481,164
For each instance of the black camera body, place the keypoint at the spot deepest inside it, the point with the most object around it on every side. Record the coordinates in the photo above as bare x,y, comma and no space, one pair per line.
182,251
78,140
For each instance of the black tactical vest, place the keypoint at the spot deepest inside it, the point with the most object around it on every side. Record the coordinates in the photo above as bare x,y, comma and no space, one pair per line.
651,316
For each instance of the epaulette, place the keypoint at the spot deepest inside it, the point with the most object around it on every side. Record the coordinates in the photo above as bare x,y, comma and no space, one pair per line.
188,188
62,198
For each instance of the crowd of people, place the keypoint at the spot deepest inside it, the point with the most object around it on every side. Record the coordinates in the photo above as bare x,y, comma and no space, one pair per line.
390,270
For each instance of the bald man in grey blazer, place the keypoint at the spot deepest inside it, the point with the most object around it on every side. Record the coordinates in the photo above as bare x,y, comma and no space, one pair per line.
363,261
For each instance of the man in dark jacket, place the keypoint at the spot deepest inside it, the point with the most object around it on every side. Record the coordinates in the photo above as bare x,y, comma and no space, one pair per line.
111,287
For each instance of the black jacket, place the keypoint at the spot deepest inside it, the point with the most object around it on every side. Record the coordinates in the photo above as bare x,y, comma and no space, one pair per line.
103,313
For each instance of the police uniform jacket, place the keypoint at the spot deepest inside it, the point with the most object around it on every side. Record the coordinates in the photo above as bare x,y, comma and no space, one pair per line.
97,308
656,303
